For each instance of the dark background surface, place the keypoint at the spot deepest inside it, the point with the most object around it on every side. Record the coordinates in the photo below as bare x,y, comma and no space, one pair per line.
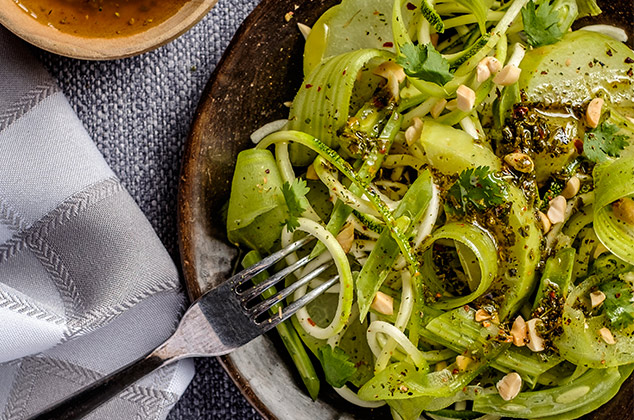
138,111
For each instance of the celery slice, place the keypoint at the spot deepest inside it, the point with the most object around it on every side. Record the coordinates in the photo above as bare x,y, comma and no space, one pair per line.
257,208
591,388
322,104
613,182
379,263
484,251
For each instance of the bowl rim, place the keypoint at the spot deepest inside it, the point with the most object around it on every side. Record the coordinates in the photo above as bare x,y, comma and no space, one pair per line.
89,48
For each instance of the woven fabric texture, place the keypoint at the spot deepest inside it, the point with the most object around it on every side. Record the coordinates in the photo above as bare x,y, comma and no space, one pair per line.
138,112
86,286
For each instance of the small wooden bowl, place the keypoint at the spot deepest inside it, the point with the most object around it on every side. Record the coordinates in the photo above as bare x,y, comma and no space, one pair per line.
74,46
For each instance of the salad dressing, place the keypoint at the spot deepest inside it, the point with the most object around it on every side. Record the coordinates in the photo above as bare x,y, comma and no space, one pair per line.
101,18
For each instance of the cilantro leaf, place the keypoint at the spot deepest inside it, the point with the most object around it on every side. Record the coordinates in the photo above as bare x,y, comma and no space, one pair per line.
477,188
618,304
337,365
602,142
541,25
296,201
425,63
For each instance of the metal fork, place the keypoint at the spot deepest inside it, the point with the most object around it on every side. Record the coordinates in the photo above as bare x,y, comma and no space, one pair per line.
220,321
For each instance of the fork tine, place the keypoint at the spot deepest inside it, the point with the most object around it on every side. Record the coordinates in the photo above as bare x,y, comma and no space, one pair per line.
265,305
257,289
291,309
250,272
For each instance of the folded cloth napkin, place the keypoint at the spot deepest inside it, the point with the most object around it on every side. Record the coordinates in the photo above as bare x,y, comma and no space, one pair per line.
85,284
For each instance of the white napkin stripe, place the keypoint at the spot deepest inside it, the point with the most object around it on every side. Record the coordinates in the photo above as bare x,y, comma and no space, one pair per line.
13,301
23,334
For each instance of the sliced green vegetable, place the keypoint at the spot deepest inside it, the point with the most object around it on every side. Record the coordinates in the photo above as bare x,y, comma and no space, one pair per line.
370,167
379,263
582,341
360,133
455,60
568,72
557,275
411,409
431,16
350,26
402,381
337,365
518,274
567,11
480,272
322,104
608,265
400,32
588,8
613,183
596,401
257,209
479,8
554,402
456,414
458,330
503,106
464,72
451,150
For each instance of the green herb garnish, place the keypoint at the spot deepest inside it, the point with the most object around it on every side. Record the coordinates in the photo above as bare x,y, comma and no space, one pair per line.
618,305
425,63
296,201
541,24
477,188
602,142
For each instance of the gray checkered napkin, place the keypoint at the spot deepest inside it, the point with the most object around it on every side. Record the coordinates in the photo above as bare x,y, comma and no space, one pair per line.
85,284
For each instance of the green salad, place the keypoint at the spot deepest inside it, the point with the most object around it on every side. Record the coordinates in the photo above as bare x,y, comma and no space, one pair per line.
467,167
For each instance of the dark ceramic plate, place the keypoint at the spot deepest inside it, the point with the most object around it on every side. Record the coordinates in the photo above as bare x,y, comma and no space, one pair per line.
261,69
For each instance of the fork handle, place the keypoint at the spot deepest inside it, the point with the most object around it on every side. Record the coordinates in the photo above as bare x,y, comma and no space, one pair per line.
88,399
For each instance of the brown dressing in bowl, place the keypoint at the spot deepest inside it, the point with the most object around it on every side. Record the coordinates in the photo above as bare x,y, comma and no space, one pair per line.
101,18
